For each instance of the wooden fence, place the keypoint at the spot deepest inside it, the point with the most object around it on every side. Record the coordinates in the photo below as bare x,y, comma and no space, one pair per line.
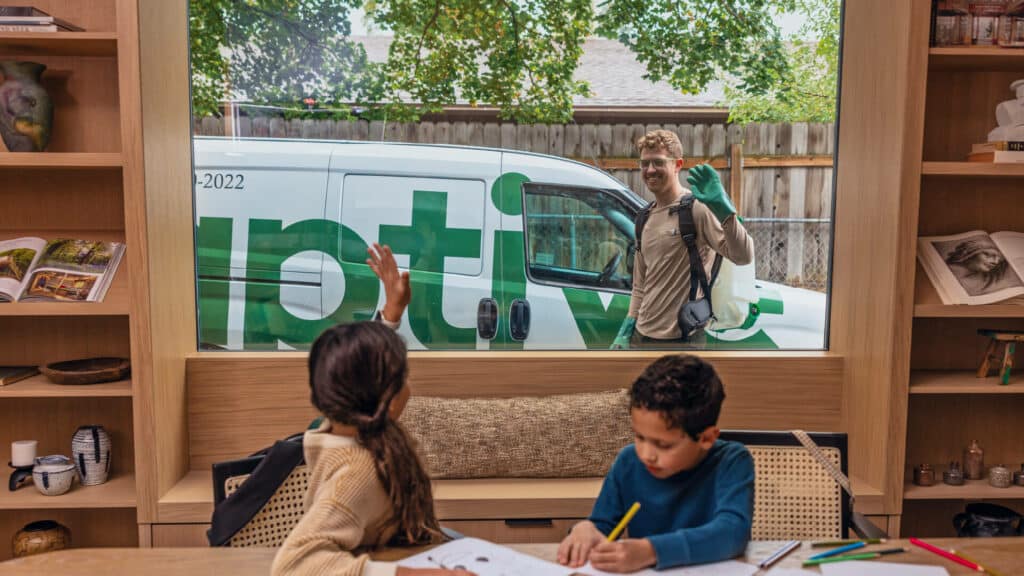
783,171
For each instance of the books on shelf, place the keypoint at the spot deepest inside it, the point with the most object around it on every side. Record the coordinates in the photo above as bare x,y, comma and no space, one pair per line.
997,157
63,270
12,374
31,19
974,267
1013,146
1008,152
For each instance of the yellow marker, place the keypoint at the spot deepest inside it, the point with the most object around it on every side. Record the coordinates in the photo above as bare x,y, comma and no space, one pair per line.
625,520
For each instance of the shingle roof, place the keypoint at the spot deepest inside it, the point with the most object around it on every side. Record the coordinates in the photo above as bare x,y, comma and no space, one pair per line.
613,72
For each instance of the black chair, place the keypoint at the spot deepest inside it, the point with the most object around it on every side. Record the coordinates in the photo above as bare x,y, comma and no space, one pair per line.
263,512
795,497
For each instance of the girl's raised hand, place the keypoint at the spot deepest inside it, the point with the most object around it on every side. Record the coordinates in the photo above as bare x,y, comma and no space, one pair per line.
397,292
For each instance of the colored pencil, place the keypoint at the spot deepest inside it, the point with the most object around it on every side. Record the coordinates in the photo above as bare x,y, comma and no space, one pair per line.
969,559
832,543
840,550
625,520
946,555
778,554
861,556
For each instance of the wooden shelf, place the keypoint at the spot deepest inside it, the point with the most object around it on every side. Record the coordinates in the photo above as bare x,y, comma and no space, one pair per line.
927,304
973,169
60,160
117,492
976,58
58,44
961,382
971,490
40,387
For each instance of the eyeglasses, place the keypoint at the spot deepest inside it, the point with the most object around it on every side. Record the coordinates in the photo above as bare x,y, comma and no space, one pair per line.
656,162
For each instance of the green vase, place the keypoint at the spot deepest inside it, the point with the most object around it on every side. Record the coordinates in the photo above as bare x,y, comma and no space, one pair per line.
26,111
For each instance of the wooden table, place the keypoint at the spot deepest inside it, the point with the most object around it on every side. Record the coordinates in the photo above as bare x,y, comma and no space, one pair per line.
1003,554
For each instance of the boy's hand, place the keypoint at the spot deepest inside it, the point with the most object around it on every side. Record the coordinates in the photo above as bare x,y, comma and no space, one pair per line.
396,284
626,555
575,549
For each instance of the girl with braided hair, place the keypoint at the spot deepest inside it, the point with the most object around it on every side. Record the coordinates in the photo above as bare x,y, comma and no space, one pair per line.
367,485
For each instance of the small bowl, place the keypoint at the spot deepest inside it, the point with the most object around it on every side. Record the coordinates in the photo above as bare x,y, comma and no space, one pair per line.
53,475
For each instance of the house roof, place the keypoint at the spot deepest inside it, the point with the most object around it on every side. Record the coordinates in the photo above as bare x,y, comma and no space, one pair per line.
616,82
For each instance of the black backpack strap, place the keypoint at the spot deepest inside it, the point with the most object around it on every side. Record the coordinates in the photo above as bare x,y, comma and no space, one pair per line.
640,221
688,233
235,511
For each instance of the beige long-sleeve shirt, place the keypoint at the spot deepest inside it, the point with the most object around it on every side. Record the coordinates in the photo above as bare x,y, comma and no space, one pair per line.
661,269
346,510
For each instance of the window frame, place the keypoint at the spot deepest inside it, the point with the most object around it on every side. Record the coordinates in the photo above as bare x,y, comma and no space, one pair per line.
630,208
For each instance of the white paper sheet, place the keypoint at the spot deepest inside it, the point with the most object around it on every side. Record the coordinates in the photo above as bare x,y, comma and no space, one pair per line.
791,572
485,559
489,559
873,568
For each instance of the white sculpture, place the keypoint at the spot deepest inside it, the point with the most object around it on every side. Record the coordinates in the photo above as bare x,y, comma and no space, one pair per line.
1010,116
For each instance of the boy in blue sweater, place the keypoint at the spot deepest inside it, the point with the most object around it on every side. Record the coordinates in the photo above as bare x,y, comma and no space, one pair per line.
696,492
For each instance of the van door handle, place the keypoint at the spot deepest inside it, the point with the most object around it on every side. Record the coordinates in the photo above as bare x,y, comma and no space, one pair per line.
487,318
519,319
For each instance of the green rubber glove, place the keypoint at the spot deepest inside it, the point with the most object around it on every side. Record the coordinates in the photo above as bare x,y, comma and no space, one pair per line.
706,187
621,341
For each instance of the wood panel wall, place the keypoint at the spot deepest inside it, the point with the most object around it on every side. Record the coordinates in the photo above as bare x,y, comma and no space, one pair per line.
241,402
878,176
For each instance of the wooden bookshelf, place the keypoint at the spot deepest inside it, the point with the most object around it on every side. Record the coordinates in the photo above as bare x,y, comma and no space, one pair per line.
60,160
975,57
928,304
116,492
958,90
80,187
962,382
973,169
91,44
40,387
971,490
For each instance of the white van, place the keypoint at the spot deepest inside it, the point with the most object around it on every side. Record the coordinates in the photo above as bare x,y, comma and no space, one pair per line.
506,249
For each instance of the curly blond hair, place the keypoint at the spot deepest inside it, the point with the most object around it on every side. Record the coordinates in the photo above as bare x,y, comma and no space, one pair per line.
661,140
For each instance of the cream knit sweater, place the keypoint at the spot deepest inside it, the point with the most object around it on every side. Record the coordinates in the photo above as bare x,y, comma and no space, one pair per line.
346,509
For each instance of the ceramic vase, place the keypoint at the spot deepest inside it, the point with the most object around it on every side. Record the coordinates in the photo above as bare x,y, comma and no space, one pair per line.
53,475
26,111
39,537
90,448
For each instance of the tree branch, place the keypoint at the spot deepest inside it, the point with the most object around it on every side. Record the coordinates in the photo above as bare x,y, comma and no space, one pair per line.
423,37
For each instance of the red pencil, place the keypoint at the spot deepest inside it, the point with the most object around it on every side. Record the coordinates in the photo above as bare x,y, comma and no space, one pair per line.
947,555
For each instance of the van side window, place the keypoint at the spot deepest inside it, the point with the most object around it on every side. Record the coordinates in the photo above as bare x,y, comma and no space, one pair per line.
579,237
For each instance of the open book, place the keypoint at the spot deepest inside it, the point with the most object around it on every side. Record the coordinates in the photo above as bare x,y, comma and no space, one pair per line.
974,267
62,269
488,559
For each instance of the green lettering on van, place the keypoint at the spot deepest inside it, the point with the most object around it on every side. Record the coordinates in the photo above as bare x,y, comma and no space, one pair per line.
213,258
596,324
266,321
428,241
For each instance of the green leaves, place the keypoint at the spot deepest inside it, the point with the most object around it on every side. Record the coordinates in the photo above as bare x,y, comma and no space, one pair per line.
807,92
274,52
519,56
